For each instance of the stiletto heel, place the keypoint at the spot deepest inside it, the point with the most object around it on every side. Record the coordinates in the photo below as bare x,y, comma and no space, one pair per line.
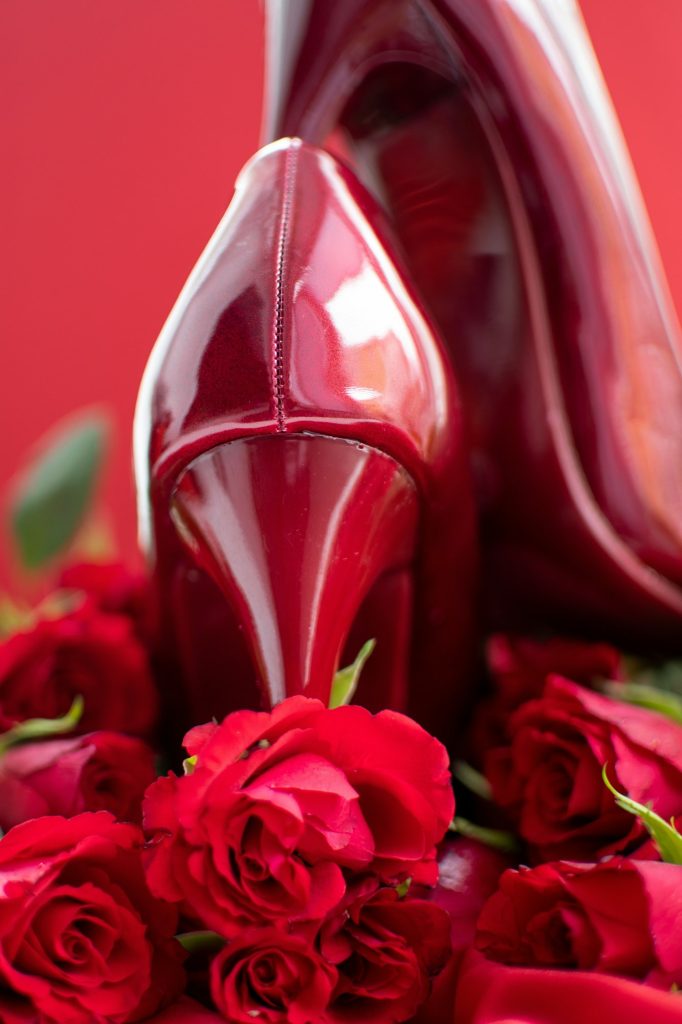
302,475
485,131
296,530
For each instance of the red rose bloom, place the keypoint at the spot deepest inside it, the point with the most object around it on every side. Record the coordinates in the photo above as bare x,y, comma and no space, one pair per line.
550,776
519,668
278,803
103,771
617,917
81,938
84,653
386,951
268,976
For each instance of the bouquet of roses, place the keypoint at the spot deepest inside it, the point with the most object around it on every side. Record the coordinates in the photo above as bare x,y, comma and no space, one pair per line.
296,866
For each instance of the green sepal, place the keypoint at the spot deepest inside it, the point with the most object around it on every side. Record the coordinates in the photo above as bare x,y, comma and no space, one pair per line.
199,942
42,728
346,680
496,838
472,780
403,888
666,837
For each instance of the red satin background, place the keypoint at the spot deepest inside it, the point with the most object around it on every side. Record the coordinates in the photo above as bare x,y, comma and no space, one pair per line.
124,124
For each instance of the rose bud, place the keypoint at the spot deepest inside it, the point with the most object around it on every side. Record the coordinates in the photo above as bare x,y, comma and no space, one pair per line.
272,977
277,803
519,668
113,588
84,653
81,937
104,771
491,993
386,950
549,778
618,917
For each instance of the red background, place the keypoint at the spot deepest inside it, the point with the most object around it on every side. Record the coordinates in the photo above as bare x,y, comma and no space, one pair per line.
124,123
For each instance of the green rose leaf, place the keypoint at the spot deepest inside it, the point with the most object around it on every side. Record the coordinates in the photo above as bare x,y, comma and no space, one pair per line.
667,838
54,495
346,679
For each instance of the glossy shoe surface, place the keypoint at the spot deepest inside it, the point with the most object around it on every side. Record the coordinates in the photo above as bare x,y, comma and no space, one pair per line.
486,133
301,468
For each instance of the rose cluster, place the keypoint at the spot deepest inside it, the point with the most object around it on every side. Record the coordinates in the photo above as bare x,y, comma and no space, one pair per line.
296,870
296,836
589,923
286,875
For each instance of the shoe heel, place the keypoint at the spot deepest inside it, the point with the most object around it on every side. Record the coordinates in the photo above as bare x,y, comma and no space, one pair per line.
298,531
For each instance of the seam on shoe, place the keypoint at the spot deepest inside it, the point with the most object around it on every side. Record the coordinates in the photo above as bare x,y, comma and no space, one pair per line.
290,163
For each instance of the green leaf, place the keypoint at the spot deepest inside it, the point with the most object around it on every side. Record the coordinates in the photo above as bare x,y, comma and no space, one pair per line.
346,680
472,780
42,728
667,838
55,493
645,696
495,837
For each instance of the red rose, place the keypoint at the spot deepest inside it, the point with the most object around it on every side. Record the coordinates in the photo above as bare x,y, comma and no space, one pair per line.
519,668
618,917
81,938
490,993
268,976
550,776
386,951
103,771
113,588
277,803
84,653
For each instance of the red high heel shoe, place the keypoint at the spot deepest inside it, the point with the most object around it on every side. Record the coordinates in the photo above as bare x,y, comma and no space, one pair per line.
486,131
300,461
